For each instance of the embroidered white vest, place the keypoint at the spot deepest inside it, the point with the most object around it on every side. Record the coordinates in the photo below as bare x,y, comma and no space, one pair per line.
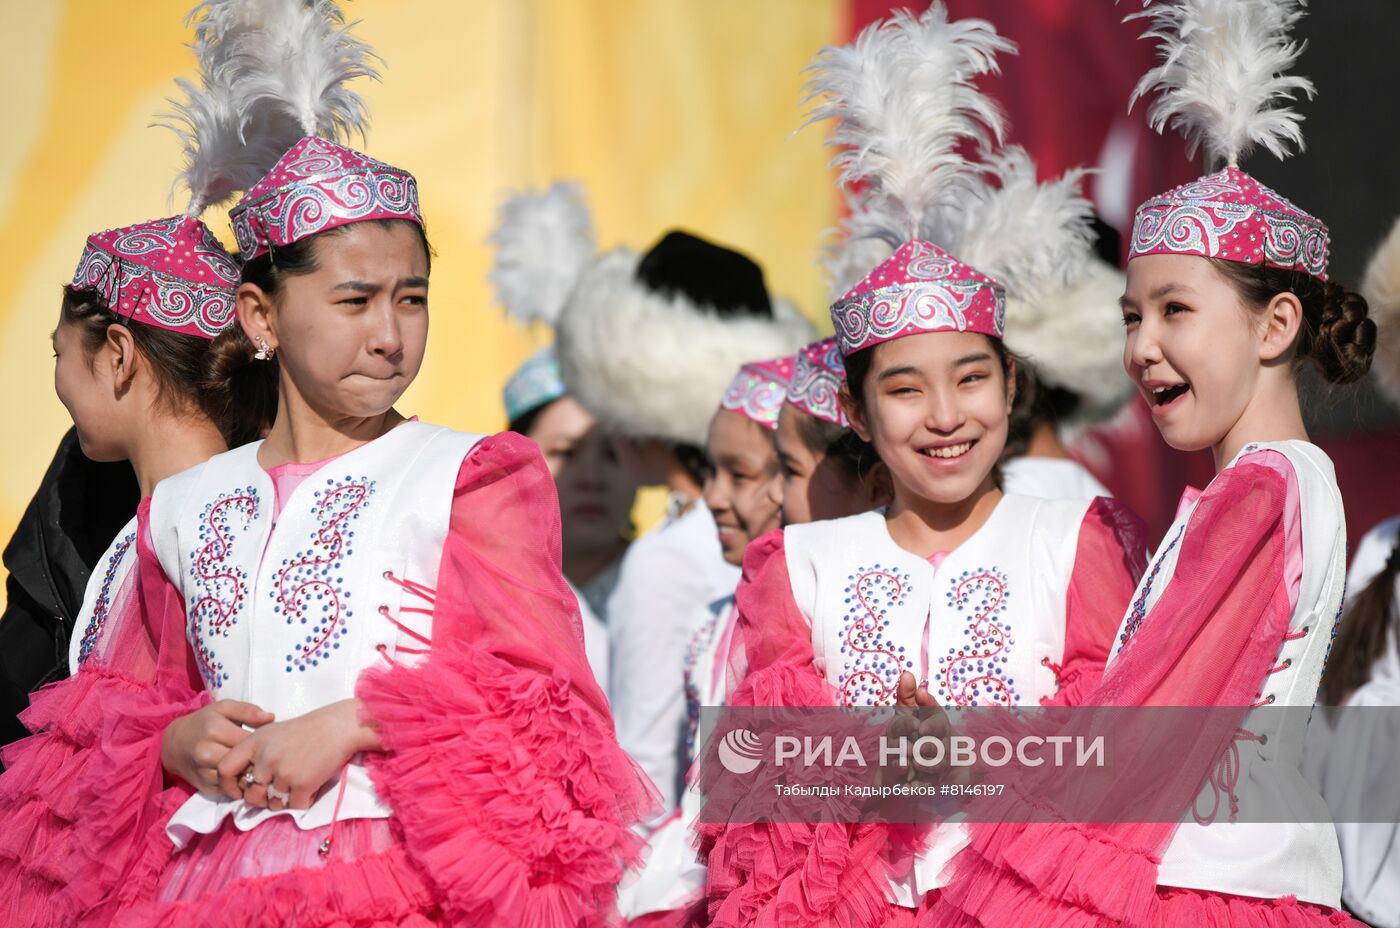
983,629
286,613
1268,860
106,581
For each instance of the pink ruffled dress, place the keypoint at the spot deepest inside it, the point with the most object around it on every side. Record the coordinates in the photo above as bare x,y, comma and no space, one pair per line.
1235,610
506,799
64,787
838,875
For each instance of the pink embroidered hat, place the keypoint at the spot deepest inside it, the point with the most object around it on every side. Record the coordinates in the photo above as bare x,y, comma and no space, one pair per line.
816,382
758,390
171,273
1231,215
320,185
920,288
1222,80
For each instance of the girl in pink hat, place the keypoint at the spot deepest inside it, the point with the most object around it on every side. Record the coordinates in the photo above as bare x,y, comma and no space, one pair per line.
423,742
744,492
828,471
139,364
1227,296
956,593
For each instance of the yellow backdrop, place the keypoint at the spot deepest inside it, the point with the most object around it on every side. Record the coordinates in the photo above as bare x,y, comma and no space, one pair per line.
670,112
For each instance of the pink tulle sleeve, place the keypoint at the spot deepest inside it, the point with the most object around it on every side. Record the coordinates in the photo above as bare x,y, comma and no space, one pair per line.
1108,563
1209,640
84,797
500,762
773,660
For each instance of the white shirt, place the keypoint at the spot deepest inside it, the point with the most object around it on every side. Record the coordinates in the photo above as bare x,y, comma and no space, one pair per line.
1050,478
667,577
595,638
1370,850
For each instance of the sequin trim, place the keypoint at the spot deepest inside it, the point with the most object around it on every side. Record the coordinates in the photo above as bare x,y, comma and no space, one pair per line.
223,586
871,660
102,607
975,674
1138,612
309,589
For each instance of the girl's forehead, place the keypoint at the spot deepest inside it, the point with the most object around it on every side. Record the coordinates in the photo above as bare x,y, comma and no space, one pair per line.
930,351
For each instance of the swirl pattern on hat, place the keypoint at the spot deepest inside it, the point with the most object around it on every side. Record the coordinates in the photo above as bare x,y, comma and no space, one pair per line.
171,273
817,376
758,390
920,288
1231,215
319,185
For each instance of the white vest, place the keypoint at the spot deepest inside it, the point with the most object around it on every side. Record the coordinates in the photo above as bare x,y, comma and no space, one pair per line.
286,613
103,586
1267,860
983,628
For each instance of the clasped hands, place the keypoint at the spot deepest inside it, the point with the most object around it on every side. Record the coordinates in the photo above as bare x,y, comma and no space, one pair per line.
236,750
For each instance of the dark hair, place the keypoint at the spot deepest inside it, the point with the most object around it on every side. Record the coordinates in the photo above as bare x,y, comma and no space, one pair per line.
840,443
525,422
1036,402
694,459
179,362
1363,633
1336,333
239,379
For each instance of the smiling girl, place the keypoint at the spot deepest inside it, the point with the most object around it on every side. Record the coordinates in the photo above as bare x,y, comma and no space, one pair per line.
956,590
1227,296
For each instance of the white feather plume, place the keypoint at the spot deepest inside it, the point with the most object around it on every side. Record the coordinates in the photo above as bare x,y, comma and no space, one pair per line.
543,241
209,120
1036,239
1033,237
1381,288
863,238
1222,79
300,61
904,102
267,69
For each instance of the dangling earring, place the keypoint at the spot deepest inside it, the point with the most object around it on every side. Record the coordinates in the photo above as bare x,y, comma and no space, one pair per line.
265,351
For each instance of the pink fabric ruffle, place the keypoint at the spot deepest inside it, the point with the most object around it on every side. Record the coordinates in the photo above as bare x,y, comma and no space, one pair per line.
510,788
1209,640
1108,562
793,874
367,882
37,830
126,802
1179,908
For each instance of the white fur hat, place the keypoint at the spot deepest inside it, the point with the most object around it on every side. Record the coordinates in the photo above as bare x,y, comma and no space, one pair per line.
654,361
1381,288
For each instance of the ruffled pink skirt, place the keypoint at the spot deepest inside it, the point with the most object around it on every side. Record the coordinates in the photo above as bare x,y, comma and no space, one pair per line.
1180,908
39,835
273,875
